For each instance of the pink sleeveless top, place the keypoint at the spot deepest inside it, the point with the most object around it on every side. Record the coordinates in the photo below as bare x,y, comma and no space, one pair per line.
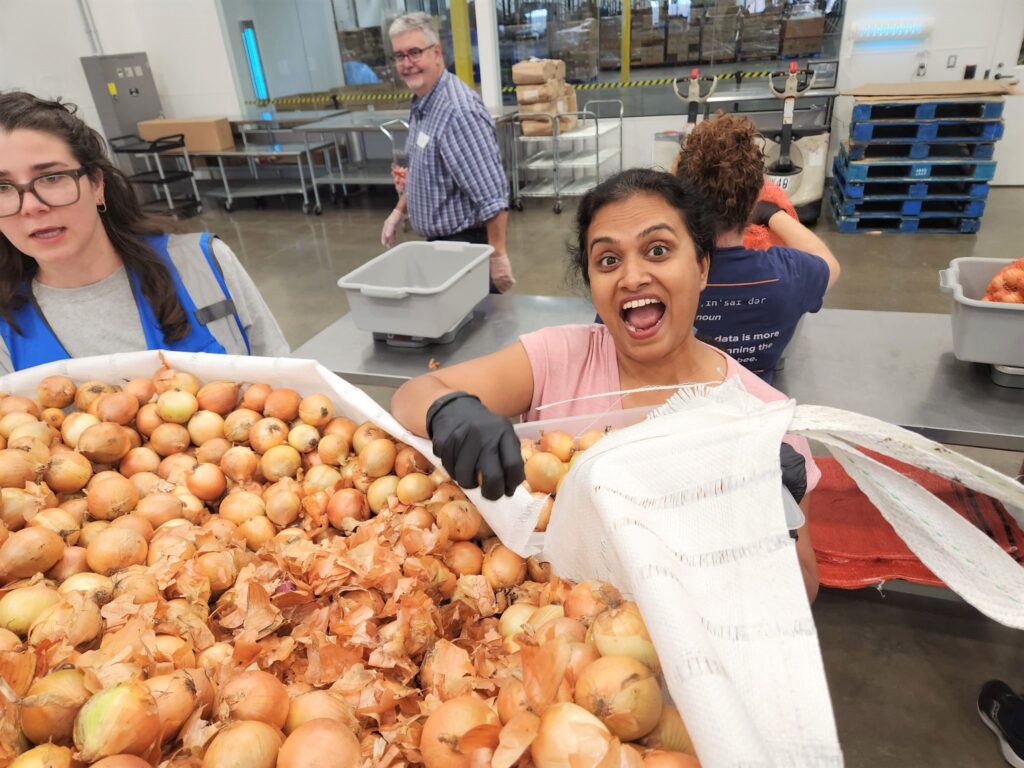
571,361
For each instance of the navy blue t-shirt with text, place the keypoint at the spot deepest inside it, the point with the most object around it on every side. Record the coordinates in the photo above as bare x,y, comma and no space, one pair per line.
754,300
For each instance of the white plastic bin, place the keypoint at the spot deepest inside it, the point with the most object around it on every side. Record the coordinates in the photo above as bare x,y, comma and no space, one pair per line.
418,289
983,331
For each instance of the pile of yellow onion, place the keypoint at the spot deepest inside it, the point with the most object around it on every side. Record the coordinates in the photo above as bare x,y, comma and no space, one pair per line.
234,575
547,461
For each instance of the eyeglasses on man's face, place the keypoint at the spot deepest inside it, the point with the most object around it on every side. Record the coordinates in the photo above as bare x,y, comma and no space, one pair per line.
413,54
54,189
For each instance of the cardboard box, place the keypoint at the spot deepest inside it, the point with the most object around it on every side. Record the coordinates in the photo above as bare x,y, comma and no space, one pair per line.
546,107
802,46
930,91
811,26
202,134
531,94
537,71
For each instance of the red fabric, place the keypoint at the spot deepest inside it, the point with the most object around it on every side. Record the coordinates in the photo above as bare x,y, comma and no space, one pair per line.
758,238
856,547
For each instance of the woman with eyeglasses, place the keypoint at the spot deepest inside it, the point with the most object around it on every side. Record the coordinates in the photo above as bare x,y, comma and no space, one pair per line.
84,271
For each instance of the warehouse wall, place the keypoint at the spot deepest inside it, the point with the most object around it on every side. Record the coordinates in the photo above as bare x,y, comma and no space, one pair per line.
182,39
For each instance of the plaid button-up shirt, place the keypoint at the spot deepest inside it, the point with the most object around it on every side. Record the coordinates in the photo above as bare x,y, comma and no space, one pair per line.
456,180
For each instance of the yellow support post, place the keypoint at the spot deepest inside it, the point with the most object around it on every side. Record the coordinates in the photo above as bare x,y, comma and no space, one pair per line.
624,51
462,41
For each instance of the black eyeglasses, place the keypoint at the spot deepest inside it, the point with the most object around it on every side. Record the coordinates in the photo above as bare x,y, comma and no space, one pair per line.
54,189
413,54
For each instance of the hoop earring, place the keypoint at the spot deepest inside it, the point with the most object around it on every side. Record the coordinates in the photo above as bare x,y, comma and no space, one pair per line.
102,207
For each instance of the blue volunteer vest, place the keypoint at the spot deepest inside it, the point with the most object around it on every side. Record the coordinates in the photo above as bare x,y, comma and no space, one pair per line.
37,344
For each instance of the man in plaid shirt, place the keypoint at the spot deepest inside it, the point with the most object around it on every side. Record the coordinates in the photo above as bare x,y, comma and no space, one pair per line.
455,188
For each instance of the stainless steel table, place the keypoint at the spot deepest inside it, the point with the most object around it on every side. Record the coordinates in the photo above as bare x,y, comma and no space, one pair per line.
899,367
497,322
895,366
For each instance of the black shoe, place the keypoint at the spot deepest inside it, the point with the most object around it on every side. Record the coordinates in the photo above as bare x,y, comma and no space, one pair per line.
1003,711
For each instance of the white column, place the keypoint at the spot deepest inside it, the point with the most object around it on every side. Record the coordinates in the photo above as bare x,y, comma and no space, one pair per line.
487,48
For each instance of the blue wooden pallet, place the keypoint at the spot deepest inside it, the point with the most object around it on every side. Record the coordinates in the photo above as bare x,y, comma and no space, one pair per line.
928,110
920,207
902,131
943,168
919,150
889,222
898,189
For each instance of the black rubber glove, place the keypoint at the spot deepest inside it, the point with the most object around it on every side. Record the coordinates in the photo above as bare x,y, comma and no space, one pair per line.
794,471
469,439
763,212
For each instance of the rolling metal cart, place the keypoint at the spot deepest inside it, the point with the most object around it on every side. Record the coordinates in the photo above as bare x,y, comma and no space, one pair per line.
159,177
567,164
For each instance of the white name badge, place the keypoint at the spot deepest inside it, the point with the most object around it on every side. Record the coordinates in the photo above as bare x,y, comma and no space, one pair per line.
422,140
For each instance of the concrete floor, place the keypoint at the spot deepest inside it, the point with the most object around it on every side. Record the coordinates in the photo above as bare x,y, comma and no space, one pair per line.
904,671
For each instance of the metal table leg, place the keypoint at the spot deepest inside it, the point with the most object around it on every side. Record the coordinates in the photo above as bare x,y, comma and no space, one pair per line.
228,200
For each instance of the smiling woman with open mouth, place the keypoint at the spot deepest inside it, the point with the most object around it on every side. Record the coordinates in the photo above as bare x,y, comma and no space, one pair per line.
643,249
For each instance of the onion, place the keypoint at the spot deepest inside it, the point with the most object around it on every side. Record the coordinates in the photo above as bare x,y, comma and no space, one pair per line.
171,547
141,389
280,461
169,438
213,450
239,506
304,438
569,730
244,744
73,427
567,628
238,423
461,519
72,562
660,759
320,743
379,491
587,439
410,460
74,620
365,434
115,548
158,508
78,506
121,719
511,699
136,522
18,404
117,407
282,404
514,618
221,397
463,557
45,756
321,478
36,429
257,531
138,584
18,505
111,497
104,443
414,488
89,392
94,585
544,471
176,406
219,568
139,460
176,468
174,650
266,433
20,607
548,503
167,379
90,530
581,655
147,419
589,598
12,421
17,468
52,417
537,571
621,632
623,693
347,504
239,463
60,521
204,426
254,695
35,449
447,724
56,392
313,705
332,449
175,697
283,507
670,732
377,458
9,641
122,761
211,659
28,552
207,482
255,397
557,443
503,568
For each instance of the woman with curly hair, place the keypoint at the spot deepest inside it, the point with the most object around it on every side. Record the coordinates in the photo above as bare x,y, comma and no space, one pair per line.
754,298
83,271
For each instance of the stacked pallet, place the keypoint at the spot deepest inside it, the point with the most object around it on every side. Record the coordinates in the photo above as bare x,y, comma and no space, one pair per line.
916,166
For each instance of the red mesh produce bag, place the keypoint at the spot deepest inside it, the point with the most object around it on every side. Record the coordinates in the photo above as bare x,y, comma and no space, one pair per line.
1008,284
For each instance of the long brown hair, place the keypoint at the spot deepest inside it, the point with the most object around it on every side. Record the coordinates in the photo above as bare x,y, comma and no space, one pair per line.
124,220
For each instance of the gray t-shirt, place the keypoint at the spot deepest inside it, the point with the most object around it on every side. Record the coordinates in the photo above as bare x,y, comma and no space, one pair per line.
102,318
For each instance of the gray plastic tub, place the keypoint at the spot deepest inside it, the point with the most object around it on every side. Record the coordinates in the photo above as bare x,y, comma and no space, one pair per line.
418,289
983,331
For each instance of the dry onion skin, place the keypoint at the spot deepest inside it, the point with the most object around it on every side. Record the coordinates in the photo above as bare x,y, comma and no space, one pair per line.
236,574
